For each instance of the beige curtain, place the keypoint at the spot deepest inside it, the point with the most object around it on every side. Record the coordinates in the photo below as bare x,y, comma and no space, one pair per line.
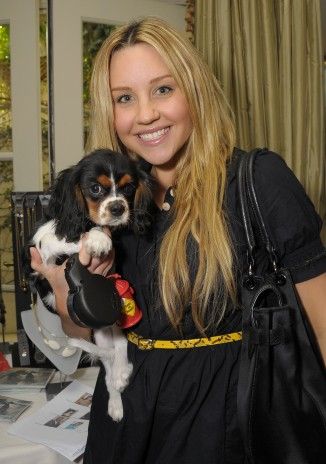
267,55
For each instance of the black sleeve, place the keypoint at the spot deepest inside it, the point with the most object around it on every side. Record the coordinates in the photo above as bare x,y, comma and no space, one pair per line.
290,216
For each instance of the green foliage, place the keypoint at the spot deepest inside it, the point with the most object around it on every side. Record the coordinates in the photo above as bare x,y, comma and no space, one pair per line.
5,103
6,188
4,43
93,36
6,259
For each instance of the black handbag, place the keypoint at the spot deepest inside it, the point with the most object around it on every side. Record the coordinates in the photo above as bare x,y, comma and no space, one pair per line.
282,381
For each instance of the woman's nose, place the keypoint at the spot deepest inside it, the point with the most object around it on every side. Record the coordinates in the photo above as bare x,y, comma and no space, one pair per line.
147,112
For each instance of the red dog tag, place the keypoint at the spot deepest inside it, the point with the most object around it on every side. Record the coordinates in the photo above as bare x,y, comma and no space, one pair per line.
131,314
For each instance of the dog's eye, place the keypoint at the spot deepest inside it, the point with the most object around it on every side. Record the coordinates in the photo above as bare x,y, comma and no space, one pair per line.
128,189
96,189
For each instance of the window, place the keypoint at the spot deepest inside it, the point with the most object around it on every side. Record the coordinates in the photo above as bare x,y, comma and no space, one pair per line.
5,91
6,167
93,36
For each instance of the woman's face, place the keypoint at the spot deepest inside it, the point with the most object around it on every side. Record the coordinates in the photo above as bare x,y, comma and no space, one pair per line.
151,114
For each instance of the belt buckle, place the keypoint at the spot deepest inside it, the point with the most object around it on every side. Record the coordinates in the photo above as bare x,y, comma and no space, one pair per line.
145,344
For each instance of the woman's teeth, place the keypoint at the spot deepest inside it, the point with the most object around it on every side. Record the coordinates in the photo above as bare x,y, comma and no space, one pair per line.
154,135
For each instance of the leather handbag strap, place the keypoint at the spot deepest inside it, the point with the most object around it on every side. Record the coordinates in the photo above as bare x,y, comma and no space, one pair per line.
252,219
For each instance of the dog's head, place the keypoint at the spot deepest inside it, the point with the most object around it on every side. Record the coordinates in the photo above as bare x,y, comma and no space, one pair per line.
105,188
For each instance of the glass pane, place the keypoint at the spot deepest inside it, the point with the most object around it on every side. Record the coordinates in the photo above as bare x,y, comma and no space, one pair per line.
6,257
93,36
5,92
44,98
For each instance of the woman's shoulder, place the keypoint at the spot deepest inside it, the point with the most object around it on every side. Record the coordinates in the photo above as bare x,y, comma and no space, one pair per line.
274,182
290,216
267,164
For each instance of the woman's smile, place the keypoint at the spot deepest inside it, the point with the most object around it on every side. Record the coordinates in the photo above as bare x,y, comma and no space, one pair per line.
153,137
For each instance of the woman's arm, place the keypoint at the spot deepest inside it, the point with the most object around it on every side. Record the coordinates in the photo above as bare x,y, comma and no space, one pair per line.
312,294
56,278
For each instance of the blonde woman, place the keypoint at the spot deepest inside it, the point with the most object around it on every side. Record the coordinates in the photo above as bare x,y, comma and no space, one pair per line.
154,99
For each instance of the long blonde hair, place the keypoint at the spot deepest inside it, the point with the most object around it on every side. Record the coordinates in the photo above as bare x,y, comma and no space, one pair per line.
200,182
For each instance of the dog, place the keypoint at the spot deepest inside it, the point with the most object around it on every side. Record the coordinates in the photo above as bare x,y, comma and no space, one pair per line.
105,189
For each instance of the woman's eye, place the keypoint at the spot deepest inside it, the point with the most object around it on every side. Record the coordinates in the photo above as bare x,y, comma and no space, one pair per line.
124,99
96,189
164,90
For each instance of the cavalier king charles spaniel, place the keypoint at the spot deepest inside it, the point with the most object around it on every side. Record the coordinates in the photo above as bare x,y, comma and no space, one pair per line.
105,189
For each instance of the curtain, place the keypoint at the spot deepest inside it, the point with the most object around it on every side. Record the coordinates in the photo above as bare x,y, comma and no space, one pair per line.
267,54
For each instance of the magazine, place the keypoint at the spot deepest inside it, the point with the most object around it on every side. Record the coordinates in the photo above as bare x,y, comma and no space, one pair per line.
21,378
62,423
11,408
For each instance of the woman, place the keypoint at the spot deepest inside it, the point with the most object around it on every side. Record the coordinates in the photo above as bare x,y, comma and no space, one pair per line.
154,98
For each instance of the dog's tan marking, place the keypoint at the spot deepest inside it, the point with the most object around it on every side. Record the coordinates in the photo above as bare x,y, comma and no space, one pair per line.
142,193
93,209
80,197
105,181
125,179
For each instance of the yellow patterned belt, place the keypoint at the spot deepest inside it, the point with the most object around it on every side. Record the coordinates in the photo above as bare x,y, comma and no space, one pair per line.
150,344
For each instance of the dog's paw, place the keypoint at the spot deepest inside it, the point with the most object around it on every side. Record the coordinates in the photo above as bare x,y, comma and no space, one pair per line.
76,342
121,375
115,407
98,243
93,350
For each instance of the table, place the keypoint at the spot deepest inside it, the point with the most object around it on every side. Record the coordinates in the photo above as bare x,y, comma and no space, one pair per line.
18,451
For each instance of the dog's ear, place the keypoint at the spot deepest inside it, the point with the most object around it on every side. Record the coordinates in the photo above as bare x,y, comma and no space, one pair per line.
25,259
143,203
67,205
59,193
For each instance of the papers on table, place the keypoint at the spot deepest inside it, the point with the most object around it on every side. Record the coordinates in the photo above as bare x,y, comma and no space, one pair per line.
62,423
12,408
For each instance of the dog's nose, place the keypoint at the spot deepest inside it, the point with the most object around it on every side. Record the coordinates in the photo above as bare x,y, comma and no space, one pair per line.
117,208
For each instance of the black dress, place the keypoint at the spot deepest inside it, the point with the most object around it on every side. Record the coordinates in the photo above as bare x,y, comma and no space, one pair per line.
180,405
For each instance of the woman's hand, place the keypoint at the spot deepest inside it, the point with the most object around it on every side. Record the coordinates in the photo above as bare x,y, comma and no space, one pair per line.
94,264
54,274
